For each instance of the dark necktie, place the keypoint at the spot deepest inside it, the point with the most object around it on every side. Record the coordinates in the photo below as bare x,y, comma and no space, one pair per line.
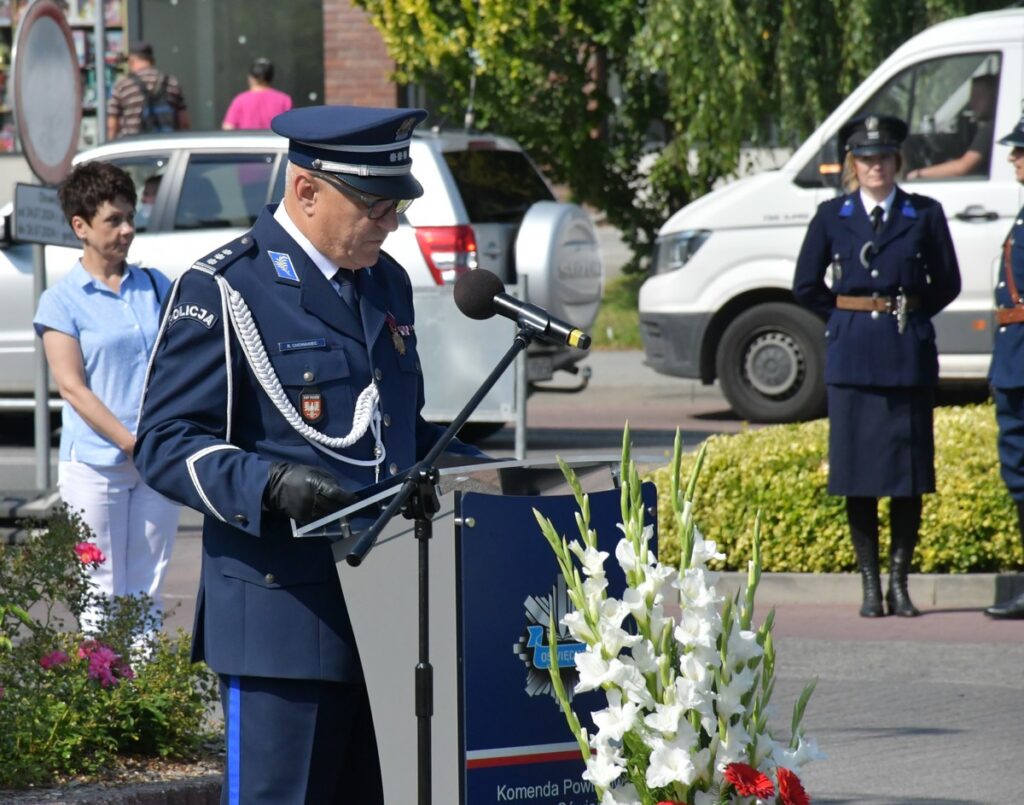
876,219
348,289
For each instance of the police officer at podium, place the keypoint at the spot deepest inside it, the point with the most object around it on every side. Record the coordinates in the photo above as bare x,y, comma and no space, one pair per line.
892,268
1007,371
285,378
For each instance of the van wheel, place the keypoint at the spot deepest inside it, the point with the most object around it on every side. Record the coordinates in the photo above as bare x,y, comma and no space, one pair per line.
771,364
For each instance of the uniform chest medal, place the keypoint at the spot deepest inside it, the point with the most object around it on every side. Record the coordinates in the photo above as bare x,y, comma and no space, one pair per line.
311,405
399,332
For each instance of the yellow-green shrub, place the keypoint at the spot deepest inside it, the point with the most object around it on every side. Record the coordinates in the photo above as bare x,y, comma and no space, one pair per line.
969,525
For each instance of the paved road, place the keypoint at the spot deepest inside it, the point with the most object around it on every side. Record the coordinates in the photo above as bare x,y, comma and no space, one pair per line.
909,712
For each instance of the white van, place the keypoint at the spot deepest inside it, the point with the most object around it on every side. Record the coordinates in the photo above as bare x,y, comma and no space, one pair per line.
718,304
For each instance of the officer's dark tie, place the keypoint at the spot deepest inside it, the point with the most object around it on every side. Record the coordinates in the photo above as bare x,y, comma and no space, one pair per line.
876,219
348,290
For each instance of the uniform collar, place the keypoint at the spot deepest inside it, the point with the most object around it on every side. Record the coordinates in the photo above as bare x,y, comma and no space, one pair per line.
886,203
320,260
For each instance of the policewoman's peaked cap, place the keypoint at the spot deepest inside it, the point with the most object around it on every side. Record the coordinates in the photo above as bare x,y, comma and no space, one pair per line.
366,147
1015,137
872,134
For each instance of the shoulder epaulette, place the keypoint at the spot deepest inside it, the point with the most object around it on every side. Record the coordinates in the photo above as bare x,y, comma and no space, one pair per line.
219,259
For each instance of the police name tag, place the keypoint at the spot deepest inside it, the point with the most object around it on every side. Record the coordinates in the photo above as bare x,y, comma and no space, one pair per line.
195,313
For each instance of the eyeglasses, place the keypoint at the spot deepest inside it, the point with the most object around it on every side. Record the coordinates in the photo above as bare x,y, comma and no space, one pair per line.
376,207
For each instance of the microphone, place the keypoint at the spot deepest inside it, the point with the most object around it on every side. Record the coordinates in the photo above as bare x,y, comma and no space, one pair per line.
479,294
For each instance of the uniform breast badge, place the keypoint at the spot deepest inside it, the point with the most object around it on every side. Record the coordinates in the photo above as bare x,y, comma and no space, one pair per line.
311,404
399,332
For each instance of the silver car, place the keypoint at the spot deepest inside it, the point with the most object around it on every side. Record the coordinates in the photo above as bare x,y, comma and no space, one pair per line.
485,205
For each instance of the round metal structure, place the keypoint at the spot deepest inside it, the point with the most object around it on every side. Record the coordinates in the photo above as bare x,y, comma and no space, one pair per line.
47,92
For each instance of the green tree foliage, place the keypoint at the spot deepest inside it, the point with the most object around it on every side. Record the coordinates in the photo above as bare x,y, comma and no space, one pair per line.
587,85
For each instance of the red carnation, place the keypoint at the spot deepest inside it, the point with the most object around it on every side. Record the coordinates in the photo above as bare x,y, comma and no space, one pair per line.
791,790
89,554
748,781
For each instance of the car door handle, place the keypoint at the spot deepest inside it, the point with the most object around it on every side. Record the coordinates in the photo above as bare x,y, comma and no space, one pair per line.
975,212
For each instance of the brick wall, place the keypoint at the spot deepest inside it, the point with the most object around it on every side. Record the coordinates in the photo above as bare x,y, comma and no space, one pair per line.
357,68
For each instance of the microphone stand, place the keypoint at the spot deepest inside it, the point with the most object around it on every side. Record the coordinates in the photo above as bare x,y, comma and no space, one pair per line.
417,499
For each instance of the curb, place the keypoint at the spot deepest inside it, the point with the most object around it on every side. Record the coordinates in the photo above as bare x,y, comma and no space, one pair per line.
196,791
933,590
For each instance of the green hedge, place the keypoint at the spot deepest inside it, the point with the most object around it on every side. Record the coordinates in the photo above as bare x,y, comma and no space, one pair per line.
970,525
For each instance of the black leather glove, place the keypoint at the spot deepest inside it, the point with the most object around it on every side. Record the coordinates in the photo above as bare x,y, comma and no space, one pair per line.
304,493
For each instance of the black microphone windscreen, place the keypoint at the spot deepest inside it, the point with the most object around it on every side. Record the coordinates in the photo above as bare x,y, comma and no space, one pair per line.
475,292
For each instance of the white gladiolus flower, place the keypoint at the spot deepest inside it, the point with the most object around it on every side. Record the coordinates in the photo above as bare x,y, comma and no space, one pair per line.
626,556
645,657
704,550
764,748
591,559
694,591
633,684
665,719
623,795
742,647
793,759
617,719
604,767
594,670
732,748
695,630
670,763
578,628
729,695
614,639
594,586
696,671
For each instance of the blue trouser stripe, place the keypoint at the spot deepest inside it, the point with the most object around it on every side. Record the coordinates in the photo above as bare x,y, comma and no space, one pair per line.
234,735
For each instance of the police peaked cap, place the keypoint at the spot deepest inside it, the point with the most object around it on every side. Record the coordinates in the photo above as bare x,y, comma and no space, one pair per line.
1015,137
872,134
367,148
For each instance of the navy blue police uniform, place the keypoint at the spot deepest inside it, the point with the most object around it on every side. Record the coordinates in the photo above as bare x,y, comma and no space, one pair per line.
260,363
1006,373
889,276
880,376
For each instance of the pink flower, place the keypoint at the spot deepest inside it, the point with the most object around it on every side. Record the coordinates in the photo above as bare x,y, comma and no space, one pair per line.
53,659
748,781
90,554
105,664
791,790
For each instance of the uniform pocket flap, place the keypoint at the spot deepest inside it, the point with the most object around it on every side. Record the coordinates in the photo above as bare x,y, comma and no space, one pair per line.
277,573
306,367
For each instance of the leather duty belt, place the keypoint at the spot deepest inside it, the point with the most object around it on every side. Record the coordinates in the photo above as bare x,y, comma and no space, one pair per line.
881,304
1009,315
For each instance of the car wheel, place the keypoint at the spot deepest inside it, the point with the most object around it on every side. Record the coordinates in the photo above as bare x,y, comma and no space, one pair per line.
771,364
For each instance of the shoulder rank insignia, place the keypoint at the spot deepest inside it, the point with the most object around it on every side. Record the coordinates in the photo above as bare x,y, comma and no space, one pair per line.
217,261
283,265
847,209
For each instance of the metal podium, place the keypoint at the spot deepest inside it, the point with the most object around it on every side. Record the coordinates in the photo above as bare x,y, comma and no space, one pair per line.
497,732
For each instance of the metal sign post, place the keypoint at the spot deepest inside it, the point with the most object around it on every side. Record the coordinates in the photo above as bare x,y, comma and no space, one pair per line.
47,96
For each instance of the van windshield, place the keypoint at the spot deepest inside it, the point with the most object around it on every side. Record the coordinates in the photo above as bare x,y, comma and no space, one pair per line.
497,186
949,105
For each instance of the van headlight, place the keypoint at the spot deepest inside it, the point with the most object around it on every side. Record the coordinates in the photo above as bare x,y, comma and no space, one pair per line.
675,250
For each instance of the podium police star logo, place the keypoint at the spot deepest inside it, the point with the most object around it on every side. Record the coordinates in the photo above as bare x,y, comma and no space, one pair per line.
533,649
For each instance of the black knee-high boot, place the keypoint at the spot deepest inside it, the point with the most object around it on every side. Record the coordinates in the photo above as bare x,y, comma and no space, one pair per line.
1014,608
905,515
862,515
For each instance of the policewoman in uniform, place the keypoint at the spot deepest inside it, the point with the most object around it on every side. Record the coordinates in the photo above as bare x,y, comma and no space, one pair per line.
286,377
1006,373
892,268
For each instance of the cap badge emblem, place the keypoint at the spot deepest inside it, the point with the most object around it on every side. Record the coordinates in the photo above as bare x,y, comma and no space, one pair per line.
405,128
871,123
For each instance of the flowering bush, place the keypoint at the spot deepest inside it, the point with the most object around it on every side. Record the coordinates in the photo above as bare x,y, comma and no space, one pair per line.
687,678
71,704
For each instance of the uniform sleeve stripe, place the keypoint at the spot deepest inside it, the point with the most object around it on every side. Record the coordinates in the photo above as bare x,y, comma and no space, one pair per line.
191,464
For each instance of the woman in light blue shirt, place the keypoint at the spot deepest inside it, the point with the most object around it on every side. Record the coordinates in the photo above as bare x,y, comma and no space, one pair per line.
98,326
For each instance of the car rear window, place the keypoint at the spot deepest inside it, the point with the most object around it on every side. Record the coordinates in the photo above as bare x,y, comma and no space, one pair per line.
496,186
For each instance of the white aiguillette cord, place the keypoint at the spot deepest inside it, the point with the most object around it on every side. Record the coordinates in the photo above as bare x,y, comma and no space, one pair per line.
367,409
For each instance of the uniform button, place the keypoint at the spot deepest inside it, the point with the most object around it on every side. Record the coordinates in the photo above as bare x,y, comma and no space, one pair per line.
826,334
269,578
1002,284
241,519
1002,329
378,451
308,377
418,366
835,256
245,241
393,468
874,272
874,314
377,374
1019,222
387,420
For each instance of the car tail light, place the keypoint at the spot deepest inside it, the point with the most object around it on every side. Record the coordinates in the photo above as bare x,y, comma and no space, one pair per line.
450,251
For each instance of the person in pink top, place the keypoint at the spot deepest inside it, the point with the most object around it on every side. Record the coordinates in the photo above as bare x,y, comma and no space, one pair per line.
257,106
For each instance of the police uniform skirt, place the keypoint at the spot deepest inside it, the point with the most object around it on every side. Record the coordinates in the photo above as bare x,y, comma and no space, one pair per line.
880,441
